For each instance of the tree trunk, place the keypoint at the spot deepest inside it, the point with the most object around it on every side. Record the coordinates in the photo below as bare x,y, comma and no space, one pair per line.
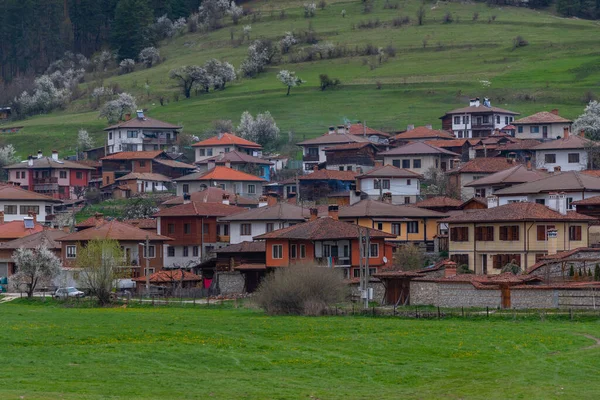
288,92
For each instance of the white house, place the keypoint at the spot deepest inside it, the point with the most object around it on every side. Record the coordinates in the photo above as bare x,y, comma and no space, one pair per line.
142,134
418,157
17,204
570,153
237,182
543,125
520,173
403,185
477,120
245,225
224,143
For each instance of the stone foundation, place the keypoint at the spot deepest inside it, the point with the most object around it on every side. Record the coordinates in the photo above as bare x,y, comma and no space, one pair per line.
231,283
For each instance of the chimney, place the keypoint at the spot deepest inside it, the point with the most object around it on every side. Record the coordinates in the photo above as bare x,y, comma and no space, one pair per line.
227,164
314,214
387,197
127,117
455,163
529,164
187,199
331,130
140,114
262,202
225,199
472,153
211,164
55,155
30,161
220,135
410,127
565,132
557,168
334,211
272,200
582,133
449,269
341,129
428,126
1,217
474,102
554,111
558,202
552,238
496,131
40,155
492,201
378,164
358,170
315,168
32,215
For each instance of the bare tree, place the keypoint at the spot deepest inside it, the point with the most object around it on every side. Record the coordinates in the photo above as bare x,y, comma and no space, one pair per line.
421,12
409,257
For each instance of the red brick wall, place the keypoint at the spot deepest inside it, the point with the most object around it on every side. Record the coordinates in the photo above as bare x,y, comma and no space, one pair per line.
195,236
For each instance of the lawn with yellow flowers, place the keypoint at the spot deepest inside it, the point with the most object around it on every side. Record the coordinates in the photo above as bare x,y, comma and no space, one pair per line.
54,352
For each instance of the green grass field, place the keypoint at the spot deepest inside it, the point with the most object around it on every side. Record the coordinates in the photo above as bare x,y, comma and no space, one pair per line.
53,352
557,69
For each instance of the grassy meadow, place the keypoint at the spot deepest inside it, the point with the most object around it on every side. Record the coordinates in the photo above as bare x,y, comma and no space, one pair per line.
54,352
437,67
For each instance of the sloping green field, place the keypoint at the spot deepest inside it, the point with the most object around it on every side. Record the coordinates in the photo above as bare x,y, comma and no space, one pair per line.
437,67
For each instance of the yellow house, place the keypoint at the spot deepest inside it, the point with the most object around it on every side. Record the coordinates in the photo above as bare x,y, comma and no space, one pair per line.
408,223
487,240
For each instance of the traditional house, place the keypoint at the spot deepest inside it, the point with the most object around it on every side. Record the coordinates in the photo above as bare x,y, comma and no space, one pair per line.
143,182
225,143
407,224
421,134
132,241
215,195
16,204
475,169
238,161
464,147
313,150
570,153
476,120
195,231
403,185
222,177
351,156
518,233
418,157
142,134
573,185
60,179
245,225
521,151
285,189
361,129
515,175
327,241
543,125
322,182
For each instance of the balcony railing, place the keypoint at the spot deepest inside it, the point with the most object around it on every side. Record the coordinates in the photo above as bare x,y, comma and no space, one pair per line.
483,126
310,157
223,238
41,181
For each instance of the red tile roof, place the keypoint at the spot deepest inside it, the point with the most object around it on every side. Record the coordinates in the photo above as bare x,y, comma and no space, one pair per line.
250,267
350,146
277,212
480,109
569,181
592,172
373,209
48,236
514,175
144,176
439,201
193,209
170,275
322,229
11,192
16,229
145,223
145,122
220,173
327,174
484,165
213,195
334,138
517,212
452,143
590,201
174,163
94,220
227,139
48,162
360,129
134,155
113,230
423,132
542,117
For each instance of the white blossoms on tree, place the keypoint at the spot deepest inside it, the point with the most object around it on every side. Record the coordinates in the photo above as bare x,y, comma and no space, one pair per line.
35,268
260,54
309,10
190,76
287,42
126,66
8,155
236,12
589,121
262,130
289,79
149,56
114,110
84,140
246,30
220,73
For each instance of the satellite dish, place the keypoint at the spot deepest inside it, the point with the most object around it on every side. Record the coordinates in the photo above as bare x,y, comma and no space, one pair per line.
385,259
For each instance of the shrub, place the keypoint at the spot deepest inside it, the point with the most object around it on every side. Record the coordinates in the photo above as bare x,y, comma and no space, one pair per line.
475,16
421,15
463,269
370,24
309,10
448,18
322,4
390,6
571,270
512,267
519,41
367,6
301,290
409,257
400,21
378,85
597,273
390,50
326,82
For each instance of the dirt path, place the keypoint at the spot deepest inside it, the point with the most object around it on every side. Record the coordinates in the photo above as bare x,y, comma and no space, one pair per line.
595,339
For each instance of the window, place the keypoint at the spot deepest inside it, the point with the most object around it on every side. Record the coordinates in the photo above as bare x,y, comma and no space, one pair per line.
396,229
417,163
412,227
509,232
222,186
407,200
171,228
195,251
486,119
386,183
206,229
475,177
541,201
245,229
71,251
293,251
252,189
142,163
349,168
170,251
459,234
484,233
277,250
457,120
150,251
62,174
79,175
408,182
575,232
341,168
500,260
209,152
405,164
460,259
377,183
497,119
573,158
505,120
346,251
373,250
570,203
380,226
550,158
326,250
186,188
313,151
302,251
460,134
270,227
201,152
542,232
109,135
187,228
186,251
12,210
227,149
132,134
396,163
24,210
534,129
479,192
520,129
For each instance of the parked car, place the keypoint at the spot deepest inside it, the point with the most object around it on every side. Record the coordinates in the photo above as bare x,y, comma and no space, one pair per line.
63,293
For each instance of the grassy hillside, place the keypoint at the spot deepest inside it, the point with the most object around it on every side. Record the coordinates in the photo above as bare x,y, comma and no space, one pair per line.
465,58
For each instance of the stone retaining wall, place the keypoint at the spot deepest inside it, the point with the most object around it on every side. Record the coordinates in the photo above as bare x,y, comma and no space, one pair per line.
231,282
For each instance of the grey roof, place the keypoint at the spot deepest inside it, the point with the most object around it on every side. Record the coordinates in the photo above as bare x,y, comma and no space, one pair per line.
389,171
49,236
417,148
571,142
277,212
48,162
334,138
514,175
243,247
570,181
373,208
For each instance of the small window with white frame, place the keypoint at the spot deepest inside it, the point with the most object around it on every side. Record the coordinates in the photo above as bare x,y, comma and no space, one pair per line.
252,189
71,251
374,250
277,251
149,251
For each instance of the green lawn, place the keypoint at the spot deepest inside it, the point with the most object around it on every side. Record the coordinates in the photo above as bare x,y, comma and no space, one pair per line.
51,352
557,69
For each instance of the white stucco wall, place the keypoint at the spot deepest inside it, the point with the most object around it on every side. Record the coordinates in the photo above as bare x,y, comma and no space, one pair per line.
562,160
398,186
554,130
258,228
41,217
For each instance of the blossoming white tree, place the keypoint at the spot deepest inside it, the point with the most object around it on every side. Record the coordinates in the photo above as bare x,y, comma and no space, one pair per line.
289,79
114,110
149,56
35,267
589,121
84,140
262,130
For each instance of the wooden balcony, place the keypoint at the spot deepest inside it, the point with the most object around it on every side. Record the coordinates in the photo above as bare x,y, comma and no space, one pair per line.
310,157
223,238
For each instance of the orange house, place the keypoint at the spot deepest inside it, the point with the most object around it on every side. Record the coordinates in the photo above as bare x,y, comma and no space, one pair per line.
328,242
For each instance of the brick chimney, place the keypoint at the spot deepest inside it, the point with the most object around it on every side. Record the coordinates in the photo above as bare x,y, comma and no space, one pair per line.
565,132
263,201
314,214
127,116
582,133
387,197
378,164
554,111
225,199
315,168
334,211
32,215
529,164
449,269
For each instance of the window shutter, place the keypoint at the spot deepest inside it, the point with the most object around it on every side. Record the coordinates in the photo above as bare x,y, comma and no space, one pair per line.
490,233
541,232
504,233
515,233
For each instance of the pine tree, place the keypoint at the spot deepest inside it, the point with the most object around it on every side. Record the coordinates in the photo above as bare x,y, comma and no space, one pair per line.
571,270
130,34
597,272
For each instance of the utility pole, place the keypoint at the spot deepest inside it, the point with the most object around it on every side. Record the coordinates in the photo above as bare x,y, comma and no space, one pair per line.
366,265
147,272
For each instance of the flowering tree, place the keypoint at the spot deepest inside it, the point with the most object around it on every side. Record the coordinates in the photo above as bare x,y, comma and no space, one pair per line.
287,42
289,79
103,60
211,12
114,110
189,76
34,267
260,54
236,12
589,121
149,56
126,66
8,155
84,140
100,261
246,31
309,10
262,130
220,73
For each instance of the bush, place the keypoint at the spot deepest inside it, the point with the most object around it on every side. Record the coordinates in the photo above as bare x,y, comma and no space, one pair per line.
512,267
327,82
370,24
400,21
448,18
475,16
463,269
519,41
301,290
390,6
322,4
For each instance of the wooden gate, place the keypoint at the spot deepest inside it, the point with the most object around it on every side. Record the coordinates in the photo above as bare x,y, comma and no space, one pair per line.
505,296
